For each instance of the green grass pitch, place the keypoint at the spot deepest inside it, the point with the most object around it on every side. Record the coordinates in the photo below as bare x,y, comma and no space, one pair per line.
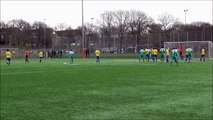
114,89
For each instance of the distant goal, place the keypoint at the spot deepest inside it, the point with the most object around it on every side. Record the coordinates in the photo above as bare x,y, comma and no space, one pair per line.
195,45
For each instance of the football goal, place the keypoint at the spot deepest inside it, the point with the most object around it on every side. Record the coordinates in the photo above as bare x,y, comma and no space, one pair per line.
195,45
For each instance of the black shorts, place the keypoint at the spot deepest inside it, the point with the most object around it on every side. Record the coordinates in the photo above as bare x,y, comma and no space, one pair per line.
181,53
26,56
8,59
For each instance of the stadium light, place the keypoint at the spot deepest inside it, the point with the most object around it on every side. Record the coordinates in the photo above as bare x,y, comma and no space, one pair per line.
82,42
185,11
91,30
103,39
92,20
44,37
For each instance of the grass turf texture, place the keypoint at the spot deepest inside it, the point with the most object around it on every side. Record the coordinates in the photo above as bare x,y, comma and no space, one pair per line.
112,89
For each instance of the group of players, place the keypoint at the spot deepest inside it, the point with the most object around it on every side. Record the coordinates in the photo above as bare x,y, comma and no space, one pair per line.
165,54
26,54
143,54
8,56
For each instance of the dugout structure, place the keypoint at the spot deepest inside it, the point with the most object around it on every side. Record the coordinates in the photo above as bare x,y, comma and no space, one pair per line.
195,45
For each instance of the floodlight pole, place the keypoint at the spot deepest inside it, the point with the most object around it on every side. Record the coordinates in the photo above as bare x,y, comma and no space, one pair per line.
44,38
103,40
82,42
185,14
91,30
185,11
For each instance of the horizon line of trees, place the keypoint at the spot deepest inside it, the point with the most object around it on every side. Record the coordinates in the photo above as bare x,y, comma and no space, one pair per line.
129,27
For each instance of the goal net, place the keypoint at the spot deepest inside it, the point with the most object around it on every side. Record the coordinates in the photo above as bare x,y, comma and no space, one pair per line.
195,45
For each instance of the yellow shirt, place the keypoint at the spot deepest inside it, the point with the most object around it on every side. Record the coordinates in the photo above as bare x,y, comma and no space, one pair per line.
40,54
155,51
152,51
8,54
186,51
97,53
202,51
167,52
146,51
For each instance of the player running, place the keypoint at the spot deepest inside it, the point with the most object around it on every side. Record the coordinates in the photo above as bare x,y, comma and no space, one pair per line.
141,55
8,57
174,56
71,54
40,55
97,54
202,52
162,53
26,54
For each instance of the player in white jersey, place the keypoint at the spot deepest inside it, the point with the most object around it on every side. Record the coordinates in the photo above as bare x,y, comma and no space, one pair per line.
174,55
162,53
141,54
71,56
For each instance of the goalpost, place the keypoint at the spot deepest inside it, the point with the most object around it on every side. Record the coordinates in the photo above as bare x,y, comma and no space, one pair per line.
195,45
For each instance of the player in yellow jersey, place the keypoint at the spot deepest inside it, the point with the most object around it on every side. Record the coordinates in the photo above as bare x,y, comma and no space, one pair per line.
40,55
155,53
202,52
147,54
97,54
8,57
152,54
167,54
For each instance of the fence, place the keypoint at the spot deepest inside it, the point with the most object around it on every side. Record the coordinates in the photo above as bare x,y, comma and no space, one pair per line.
112,44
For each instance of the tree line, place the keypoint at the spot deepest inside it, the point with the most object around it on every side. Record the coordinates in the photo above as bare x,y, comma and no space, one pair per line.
128,27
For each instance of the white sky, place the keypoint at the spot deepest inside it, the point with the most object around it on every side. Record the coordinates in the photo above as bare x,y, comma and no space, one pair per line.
69,12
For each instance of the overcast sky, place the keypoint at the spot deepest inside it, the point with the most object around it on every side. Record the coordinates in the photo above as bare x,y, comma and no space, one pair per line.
69,12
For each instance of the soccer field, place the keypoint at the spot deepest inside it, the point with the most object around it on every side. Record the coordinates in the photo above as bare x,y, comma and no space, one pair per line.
113,89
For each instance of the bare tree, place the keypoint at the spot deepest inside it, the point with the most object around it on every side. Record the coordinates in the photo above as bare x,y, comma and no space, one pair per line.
138,23
39,28
19,32
107,27
3,24
62,26
167,22
120,23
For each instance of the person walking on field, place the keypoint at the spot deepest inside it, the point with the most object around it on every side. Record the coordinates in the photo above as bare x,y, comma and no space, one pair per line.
8,57
40,55
97,54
